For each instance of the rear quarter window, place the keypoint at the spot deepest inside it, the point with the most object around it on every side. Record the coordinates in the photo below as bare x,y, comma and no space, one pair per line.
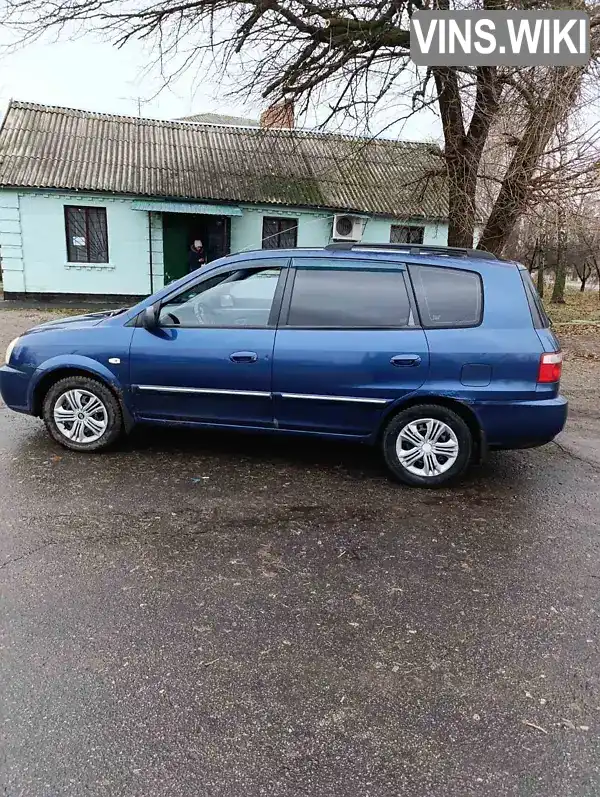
447,297
538,314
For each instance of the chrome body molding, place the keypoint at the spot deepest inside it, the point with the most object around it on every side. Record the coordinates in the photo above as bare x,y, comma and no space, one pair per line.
259,394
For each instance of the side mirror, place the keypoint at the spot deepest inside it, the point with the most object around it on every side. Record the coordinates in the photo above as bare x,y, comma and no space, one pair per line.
227,300
150,317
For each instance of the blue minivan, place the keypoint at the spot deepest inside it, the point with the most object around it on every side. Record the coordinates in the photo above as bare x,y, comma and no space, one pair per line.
431,353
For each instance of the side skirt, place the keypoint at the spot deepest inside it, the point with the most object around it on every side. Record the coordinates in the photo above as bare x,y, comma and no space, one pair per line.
253,429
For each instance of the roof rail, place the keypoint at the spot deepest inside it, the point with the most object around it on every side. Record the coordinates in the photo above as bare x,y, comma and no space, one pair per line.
416,249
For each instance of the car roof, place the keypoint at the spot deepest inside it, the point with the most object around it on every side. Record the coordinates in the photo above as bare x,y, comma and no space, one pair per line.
433,257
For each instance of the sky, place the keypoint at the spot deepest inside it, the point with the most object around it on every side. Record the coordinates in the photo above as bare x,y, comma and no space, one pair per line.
94,75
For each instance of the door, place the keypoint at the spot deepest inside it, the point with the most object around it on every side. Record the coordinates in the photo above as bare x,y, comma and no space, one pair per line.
346,347
213,231
217,237
210,359
175,245
180,230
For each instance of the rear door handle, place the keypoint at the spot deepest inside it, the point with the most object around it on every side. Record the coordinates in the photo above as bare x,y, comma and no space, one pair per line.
243,357
406,360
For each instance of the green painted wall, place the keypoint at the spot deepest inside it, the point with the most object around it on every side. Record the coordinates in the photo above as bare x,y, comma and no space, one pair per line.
314,228
33,241
34,252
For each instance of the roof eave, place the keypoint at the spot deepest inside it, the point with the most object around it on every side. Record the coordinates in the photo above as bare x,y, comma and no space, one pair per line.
224,201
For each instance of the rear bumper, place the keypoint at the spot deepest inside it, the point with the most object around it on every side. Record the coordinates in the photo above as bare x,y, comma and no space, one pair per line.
521,424
14,388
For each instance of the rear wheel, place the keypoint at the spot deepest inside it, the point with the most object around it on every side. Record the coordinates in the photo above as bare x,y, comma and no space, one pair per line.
82,414
427,446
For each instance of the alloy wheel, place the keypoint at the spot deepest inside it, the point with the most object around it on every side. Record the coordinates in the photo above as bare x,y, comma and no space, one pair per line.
80,416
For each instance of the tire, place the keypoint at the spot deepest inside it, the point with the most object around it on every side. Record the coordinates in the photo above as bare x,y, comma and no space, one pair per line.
65,405
411,429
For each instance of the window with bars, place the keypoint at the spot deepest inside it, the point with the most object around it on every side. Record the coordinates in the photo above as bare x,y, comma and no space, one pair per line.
406,234
87,234
279,233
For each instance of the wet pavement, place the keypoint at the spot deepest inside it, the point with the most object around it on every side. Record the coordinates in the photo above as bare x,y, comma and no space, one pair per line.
198,614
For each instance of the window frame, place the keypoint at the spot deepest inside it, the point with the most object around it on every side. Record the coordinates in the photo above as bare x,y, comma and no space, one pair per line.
411,266
86,209
251,265
295,222
337,264
408,227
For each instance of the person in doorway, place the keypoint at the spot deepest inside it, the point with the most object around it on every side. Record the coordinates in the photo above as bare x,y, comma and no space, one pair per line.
196,256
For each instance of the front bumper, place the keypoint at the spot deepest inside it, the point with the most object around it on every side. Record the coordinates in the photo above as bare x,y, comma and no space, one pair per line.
520,424
14,388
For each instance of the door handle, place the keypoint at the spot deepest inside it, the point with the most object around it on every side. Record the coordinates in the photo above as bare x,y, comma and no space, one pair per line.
243,357
400,360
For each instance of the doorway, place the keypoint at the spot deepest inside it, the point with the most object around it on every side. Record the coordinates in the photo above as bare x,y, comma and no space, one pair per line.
180,230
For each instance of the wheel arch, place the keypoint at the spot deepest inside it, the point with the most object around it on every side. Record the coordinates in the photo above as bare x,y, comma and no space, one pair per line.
461,408
51,375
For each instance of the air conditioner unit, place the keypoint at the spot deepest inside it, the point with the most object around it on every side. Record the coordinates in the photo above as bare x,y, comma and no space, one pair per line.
347,228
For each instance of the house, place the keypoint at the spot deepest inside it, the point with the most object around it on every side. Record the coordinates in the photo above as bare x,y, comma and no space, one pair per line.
104,206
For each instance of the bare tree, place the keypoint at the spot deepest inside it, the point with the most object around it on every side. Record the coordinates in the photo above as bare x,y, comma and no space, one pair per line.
584,270
561,236
354,56
566,172
587,230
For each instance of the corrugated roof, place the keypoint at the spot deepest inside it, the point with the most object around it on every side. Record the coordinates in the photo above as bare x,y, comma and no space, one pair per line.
49,147
220,119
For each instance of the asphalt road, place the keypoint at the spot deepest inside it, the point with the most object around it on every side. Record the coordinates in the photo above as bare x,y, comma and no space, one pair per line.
206,615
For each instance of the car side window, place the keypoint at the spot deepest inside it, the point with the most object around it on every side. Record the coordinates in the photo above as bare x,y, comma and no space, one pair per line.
348,298
240,298
447,297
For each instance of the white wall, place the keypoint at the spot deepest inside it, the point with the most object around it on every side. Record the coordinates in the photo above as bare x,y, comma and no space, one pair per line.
34,253
314,228
44,249
378,231
11,243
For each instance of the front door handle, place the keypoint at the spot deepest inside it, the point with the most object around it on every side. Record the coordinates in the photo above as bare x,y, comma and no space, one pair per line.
400,360
243,357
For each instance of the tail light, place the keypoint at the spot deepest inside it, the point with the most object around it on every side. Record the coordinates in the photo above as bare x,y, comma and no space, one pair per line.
550,367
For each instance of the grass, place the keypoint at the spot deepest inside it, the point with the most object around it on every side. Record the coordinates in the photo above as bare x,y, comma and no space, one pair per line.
40,308
580,311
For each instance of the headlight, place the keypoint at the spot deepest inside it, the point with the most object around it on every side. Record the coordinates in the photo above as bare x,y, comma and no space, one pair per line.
9,351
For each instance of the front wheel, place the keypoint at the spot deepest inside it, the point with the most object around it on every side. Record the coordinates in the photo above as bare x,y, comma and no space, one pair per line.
427,446
82,414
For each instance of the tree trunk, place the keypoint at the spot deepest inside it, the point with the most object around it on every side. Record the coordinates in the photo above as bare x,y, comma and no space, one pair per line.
560,278
558,292
540,278
463,148
515,189
461,201
583,281
534,256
